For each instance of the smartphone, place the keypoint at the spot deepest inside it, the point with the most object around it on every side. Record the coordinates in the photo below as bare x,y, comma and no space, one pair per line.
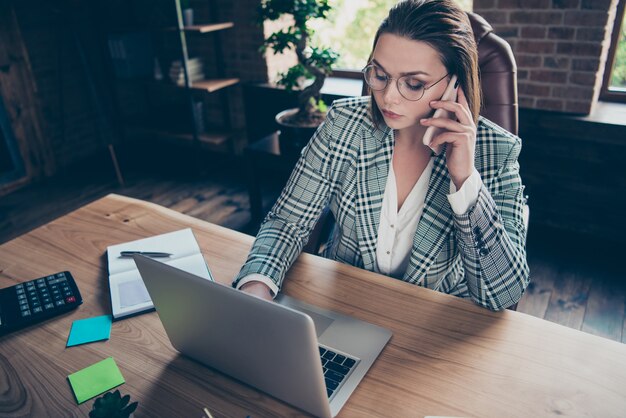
432,131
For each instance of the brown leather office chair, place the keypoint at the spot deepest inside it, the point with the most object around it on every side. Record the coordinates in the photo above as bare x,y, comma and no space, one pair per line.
498,79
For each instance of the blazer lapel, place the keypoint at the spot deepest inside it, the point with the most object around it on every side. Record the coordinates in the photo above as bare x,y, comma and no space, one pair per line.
434,225
372,170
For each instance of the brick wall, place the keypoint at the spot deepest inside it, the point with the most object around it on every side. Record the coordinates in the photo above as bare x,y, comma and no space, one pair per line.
560,47
60,83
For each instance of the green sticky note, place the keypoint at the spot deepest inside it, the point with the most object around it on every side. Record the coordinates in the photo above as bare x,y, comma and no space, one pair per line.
90,329
95,379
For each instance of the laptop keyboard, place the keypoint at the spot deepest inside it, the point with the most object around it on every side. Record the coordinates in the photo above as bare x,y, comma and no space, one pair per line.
336,368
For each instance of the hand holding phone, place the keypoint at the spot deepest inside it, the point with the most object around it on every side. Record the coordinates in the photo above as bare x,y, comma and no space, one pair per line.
449,94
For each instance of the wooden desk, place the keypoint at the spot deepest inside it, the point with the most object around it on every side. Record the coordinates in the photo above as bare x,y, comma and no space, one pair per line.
446,357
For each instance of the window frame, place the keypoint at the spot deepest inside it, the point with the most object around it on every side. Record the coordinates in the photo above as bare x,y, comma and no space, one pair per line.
605,93
347,73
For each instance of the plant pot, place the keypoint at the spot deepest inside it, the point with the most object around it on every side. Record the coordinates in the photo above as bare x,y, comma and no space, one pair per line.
293,137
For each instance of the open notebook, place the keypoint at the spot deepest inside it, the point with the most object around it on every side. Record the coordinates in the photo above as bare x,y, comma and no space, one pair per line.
128,293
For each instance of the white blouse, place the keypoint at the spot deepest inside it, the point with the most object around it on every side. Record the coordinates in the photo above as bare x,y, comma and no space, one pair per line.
397,227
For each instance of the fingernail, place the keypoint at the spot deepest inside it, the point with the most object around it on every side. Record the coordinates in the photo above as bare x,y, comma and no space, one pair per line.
456,83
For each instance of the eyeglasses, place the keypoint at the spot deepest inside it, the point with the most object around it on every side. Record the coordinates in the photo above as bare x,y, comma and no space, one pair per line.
408,85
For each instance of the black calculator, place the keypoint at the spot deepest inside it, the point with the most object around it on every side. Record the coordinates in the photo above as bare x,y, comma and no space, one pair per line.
27,303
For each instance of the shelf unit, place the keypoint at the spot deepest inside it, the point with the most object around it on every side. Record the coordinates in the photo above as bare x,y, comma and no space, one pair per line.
208,85
220,139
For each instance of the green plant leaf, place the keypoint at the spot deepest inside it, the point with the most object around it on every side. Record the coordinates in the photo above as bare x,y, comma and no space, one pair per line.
322,106
314,61
131,408
291,79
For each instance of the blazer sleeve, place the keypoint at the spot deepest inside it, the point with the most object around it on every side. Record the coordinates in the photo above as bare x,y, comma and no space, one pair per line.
492,239
286,228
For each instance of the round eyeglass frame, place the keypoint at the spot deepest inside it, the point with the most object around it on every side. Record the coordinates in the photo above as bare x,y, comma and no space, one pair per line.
374,66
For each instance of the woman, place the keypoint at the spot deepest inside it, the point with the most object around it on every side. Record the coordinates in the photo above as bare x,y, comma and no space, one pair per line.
450,222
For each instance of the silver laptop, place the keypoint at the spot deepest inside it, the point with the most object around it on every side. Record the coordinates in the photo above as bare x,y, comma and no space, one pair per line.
306,356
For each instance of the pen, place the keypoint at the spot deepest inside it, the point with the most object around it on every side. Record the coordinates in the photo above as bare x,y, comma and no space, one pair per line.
146,253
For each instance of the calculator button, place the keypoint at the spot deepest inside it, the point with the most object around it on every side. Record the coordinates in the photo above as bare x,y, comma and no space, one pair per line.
49,305
45,294
60,274
59,302
62,279
20,291
25,313
70,299
68,294
36,303
38,309
46,300
42,280
19,286
21,297
24,307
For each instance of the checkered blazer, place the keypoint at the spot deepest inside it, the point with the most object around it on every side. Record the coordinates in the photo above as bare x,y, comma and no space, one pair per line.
479,255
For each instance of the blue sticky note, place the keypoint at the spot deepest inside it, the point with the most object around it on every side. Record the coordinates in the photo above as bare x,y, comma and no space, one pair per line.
89,330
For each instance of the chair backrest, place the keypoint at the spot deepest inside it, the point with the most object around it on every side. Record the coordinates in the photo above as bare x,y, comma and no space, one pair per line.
498,75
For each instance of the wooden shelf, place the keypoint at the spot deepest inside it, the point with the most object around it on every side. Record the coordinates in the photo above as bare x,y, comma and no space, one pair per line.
209,28
213,27
214,84
207,86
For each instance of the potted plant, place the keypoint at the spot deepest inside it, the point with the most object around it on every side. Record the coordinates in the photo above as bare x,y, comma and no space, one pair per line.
112,405
308,75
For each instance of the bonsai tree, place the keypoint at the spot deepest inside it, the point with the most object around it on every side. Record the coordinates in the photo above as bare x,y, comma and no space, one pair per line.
112,405
313,62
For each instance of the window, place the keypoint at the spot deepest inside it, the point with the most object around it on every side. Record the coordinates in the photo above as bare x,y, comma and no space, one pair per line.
614,82
350,30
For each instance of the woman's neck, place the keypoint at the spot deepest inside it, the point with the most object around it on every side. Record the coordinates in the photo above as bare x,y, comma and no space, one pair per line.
411,138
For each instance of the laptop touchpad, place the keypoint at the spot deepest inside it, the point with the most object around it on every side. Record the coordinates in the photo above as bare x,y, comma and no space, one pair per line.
321,322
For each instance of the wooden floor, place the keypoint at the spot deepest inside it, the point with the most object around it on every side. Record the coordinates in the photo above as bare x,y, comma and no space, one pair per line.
575,282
